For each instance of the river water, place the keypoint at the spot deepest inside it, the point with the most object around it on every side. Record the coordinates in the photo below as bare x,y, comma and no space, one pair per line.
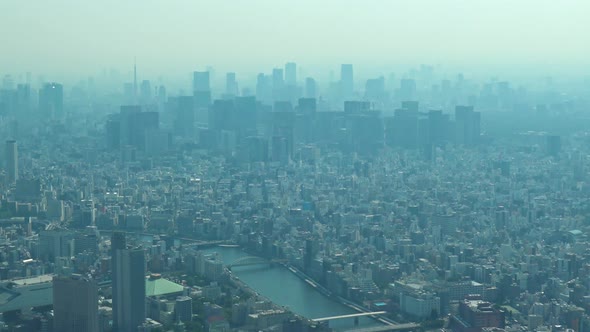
284,288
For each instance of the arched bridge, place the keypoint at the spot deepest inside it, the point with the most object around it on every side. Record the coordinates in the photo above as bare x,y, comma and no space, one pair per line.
254,260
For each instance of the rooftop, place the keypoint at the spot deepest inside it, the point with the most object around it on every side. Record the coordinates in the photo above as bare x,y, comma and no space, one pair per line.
155,285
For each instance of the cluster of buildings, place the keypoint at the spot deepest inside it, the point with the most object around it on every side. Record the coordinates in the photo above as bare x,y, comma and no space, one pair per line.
382,201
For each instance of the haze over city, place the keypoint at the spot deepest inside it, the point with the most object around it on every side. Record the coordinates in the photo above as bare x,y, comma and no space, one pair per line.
65,37
294,166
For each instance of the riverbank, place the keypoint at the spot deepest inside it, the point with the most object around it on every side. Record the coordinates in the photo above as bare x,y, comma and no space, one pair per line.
355,306
283,287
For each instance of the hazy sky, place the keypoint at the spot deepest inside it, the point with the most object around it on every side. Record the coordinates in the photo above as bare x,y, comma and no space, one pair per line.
184,35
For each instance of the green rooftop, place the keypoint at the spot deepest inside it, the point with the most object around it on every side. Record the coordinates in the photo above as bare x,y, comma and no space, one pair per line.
155,285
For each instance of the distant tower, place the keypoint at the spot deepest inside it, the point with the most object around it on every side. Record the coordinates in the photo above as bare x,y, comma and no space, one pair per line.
51,100
75,304
277,78
201,81
11,161
128,277
231,86
201,94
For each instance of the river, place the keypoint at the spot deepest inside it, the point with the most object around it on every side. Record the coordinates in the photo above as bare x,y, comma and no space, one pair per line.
284,288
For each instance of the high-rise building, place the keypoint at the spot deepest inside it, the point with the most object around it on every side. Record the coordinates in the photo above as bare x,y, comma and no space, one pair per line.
75,304
202,95
11,161
184,117
201,81
134,124
145,92
264,88
310,88
55,243
51,100
128,277
183,308
231,86
277,78
375,89
346,80
467,125
291,73
402,128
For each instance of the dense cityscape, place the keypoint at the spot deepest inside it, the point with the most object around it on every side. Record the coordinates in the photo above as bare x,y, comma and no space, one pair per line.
424,201
294,166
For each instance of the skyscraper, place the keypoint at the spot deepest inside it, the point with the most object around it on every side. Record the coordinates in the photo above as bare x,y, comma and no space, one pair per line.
291,73
346,80
310,88
277,78
128,277
231,86
75,304
134,124
11,161
467,125
202,94
51,100
201,81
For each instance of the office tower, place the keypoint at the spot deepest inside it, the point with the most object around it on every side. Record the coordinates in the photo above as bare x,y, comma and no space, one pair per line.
55,243
231,86
438,124
402,131
254,149
280,149
128,285
201,81
375,89
113,132
346,80
183,308
23,96
11,161
264,88
278,85
134,124
75,304
310,88
51,100
221,115
277,78
202,94
145,92
467,125
246,115
161,94
184,117
291,73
